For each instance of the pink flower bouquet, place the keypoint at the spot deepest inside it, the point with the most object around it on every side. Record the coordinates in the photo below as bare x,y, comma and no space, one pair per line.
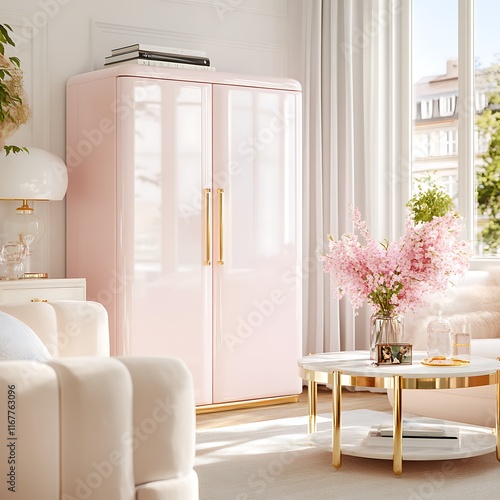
396,277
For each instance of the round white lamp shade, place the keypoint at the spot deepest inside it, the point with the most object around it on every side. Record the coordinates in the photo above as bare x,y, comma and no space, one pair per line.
37,175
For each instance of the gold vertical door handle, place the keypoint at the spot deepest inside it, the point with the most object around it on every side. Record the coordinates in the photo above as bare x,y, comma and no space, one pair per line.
220,262
208,227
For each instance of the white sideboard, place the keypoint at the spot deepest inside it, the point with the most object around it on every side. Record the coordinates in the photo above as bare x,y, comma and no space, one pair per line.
42,290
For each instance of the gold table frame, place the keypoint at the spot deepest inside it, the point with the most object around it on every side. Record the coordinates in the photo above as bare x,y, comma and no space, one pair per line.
397,383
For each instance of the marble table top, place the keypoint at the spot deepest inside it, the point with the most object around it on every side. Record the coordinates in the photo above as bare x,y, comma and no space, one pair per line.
358,363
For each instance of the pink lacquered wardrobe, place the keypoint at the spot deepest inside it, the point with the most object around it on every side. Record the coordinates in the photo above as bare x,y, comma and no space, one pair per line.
184,216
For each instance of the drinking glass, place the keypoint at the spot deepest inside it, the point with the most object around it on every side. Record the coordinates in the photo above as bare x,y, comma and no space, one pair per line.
462,333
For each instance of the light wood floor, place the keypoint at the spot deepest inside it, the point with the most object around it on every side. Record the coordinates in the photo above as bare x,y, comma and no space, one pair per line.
350,401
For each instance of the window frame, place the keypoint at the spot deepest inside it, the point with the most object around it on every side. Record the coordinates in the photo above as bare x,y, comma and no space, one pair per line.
466,120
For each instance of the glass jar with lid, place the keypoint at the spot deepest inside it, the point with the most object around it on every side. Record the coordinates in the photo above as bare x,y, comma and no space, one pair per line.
439,338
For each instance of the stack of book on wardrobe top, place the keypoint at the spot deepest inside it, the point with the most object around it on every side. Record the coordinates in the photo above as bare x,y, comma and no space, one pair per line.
154,55
417,434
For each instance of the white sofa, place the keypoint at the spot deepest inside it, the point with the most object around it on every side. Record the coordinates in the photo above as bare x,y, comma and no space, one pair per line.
84,425
475,299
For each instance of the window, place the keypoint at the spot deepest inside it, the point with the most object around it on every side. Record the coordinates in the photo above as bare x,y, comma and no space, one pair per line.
449,142
426,109
447,105
423,148
450,185
463,83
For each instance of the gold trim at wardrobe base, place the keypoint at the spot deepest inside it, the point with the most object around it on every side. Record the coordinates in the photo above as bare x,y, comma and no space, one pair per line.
241,405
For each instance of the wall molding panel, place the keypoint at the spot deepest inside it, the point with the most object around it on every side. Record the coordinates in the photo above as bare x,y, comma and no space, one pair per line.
226,7
225,55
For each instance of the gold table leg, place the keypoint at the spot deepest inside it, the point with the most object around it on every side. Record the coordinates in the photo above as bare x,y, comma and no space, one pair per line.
336,411
397,465
312,398
497,416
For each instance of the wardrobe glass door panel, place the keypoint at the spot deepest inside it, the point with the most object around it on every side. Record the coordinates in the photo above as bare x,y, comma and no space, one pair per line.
164,226
257,308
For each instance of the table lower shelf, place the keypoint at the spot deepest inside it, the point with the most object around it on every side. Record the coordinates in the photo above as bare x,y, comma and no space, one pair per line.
473,441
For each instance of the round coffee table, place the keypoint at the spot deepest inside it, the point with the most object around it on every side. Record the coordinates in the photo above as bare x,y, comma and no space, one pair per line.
354,368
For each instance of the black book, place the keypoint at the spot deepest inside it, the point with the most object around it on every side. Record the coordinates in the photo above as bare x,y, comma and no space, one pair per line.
157,48
157,56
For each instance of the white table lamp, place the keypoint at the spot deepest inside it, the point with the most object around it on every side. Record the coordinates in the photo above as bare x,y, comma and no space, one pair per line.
34,176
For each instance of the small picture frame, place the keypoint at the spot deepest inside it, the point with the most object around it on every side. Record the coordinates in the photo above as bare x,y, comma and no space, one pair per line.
394,354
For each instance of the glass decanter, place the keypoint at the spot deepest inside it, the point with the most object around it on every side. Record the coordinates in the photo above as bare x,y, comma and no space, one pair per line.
12,255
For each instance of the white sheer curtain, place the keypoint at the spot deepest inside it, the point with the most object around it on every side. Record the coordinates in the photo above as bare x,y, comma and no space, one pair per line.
356,145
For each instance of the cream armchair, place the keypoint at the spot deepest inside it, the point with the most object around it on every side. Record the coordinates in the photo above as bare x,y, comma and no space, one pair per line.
83,425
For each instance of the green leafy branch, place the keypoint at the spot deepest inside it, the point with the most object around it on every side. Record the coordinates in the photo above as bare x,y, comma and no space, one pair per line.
13,111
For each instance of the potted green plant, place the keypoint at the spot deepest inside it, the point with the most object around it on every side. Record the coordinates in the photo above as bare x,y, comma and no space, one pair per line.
431,200
14,110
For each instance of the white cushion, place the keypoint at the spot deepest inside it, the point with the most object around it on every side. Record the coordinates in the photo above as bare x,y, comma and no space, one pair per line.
488,348
19,342
40,317
475,299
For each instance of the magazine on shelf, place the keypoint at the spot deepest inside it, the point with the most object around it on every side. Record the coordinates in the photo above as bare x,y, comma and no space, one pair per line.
415,429
162,64
418,435
157,48
177,58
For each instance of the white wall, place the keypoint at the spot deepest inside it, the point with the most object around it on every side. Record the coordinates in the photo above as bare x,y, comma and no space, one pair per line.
60,38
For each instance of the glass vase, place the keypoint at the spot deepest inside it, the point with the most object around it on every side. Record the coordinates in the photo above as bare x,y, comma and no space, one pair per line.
385,329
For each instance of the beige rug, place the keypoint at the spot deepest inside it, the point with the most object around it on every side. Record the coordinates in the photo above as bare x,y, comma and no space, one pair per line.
274,460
